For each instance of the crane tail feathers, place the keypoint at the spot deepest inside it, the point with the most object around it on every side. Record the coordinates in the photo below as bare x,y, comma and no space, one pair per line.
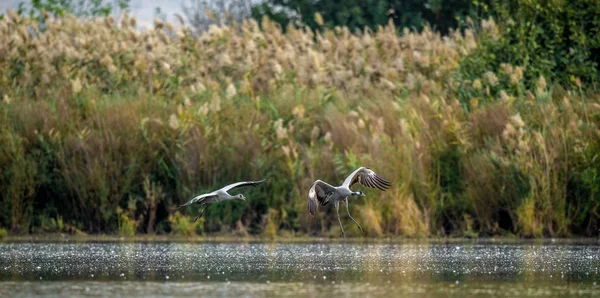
312,201
312,207
184,205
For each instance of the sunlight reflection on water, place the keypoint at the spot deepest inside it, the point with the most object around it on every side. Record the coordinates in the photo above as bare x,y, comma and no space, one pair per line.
254,269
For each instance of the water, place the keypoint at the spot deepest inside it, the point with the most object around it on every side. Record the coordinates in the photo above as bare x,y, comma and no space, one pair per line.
299,270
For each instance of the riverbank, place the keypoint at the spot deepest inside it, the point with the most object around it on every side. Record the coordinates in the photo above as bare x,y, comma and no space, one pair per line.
106,129
60,238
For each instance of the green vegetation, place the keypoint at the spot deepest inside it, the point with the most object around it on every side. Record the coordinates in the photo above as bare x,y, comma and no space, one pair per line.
183,226
105,129
557,40
442,15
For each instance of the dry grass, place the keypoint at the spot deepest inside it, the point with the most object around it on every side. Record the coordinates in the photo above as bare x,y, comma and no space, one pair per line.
99,117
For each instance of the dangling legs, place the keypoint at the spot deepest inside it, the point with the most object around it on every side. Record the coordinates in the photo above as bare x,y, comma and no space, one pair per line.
337,209
347,209
200,213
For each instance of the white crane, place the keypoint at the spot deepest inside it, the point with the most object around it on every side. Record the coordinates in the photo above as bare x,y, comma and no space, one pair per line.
218,196
325,194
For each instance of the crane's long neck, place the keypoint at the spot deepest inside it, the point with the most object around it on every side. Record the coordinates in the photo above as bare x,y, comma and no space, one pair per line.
345,191
226,196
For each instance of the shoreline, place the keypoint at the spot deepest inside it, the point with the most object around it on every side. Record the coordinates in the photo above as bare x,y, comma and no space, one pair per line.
103,238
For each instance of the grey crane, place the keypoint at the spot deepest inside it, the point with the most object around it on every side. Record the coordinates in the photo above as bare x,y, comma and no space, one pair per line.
325,194
218,196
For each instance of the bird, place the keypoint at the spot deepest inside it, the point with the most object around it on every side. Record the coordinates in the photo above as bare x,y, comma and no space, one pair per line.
218,196
324,194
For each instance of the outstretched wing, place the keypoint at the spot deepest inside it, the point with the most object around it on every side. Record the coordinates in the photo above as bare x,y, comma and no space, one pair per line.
319,193
198,199
368,178
240,184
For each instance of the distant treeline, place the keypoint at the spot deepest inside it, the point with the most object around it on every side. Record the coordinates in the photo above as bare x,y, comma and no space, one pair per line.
487,130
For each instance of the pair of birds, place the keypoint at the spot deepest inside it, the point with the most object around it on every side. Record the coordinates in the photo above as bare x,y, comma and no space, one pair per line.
321,193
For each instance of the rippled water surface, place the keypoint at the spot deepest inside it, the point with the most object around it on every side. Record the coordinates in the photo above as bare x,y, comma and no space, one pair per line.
299,270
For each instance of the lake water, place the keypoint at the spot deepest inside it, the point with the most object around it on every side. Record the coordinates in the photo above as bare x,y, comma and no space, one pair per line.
157,269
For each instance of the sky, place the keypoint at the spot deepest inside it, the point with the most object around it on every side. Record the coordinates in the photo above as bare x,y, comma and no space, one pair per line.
143,10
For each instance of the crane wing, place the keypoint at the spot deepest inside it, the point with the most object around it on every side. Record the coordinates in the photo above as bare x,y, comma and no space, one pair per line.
198,199
319,193
368,178
241,184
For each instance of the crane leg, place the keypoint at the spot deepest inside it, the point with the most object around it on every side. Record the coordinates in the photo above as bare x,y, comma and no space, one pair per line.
200,213
337,209
347,209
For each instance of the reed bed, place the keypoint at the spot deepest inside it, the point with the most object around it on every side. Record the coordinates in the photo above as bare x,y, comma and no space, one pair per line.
104,128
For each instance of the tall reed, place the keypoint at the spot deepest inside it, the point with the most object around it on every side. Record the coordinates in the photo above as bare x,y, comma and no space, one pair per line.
111,127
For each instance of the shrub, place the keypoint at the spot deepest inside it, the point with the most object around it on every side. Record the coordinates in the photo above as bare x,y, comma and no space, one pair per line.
361,14
182,225
49,224
127,226
555,40
270,224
